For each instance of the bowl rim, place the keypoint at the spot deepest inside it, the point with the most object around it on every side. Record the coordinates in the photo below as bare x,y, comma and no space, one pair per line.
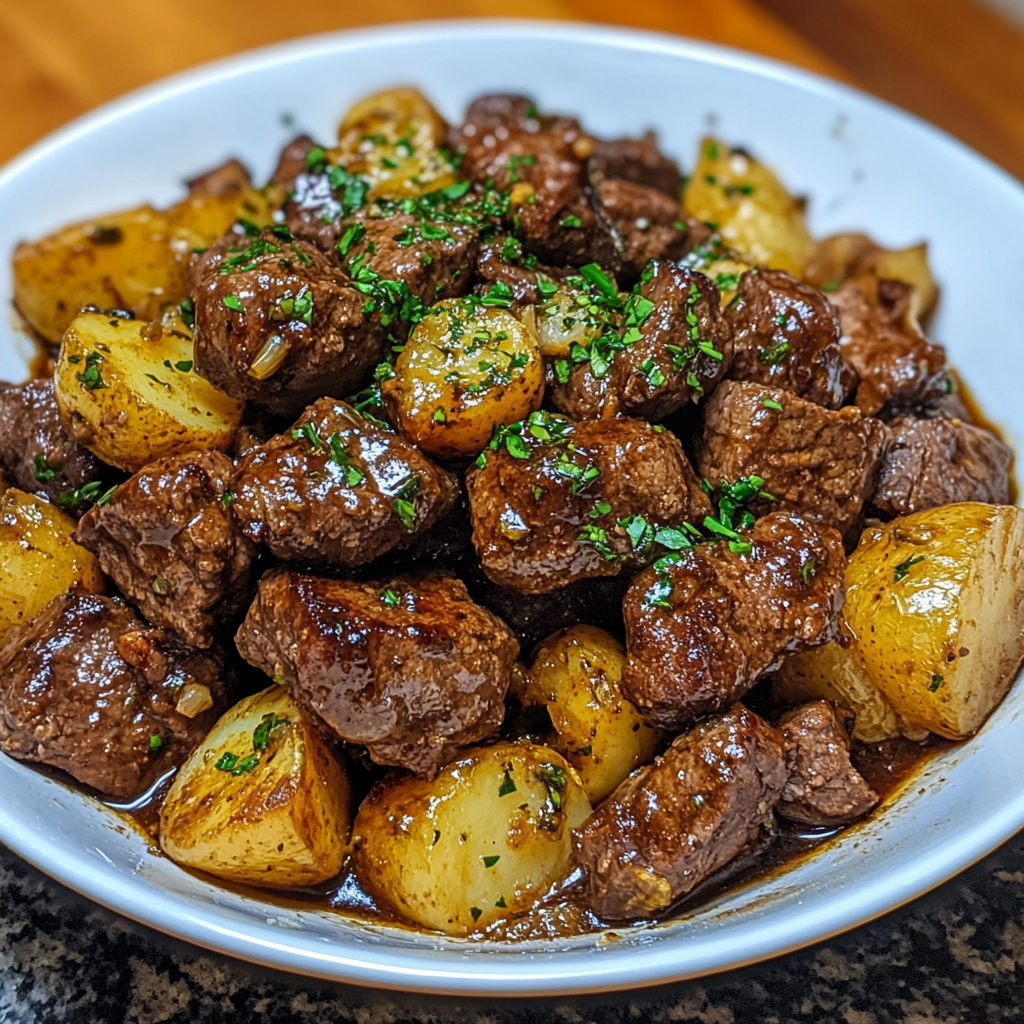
402,969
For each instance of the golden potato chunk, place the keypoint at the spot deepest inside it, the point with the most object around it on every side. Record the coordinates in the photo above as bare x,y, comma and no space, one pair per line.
483,841
465,369
936,602
576,674
262,800
132,259
394,140
126,390
754,213
38,559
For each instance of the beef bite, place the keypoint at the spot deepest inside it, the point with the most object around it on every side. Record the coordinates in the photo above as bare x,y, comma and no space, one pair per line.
338,488
547,498
38,454
702,624
677,821
813,461
938,462
898,368
88,688
541,163
278,324
639,161
410,668
167,539
824,788
786,335
672,348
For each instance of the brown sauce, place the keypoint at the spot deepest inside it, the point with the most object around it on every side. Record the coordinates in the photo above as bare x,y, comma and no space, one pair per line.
888,768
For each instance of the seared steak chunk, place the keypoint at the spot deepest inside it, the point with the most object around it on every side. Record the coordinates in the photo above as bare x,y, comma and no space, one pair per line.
940,461
639,161
704,623
411,668
88,688
168,540
540,162
278,324
228,179
814,461
647,225
677,821
547,499
36,452
673,348
823,788
337,488
786,335
898,367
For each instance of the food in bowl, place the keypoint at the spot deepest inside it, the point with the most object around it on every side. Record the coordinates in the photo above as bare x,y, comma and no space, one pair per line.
473,511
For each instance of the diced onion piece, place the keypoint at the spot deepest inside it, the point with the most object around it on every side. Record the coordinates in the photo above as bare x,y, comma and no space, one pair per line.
269,358
194,700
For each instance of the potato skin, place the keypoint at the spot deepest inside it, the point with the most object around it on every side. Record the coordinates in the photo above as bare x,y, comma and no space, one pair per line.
283,823
576,674
132,259
936,603
38,559
465,369
755,214
420,846
135,407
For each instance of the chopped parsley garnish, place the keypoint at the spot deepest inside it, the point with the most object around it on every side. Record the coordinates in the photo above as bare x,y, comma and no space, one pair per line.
499,294
155,742
297,307
554,779
585,751
572,221
160,586
352,235
391,300
507,784
727,282
475,912
491,860
87,492
91,376
43,471
390,597
772,355
500,902
903,568
807,570
249,258
597,538
770,403
936,682
188,314
229,762
404,502
341,458
261,734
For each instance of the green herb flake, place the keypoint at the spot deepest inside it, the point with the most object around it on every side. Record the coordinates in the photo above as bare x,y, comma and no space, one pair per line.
43,471
233,302
507,784
160,586
404,502
475,912
807,570
261,734
903,568
188,314
936,682
155,742
572,221
585,751
500,902
91,376
770,403
491,860
390,597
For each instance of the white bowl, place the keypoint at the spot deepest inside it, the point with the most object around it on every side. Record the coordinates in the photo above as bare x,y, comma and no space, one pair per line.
862,163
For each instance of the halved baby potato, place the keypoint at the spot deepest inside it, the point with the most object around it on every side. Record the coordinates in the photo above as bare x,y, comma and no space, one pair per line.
936,603
126,390
263,800
481,842
465,369
39,560
749,206
577,674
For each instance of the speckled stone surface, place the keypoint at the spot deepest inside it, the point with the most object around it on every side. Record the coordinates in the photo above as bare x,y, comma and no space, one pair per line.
954,956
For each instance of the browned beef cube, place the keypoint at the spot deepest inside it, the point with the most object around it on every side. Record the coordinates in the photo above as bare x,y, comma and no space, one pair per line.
823,788
541,162
899,369
38,454
546,504
411,668
786,335
704,623
639,161
88,688
814,461
504,260
647,225
169,542
677,821
940,461
227,179
676,347
338,488
278,324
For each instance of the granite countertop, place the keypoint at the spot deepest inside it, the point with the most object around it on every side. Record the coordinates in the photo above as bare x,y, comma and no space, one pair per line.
956,955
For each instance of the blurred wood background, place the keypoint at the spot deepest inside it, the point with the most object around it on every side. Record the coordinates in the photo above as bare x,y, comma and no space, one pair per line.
954,62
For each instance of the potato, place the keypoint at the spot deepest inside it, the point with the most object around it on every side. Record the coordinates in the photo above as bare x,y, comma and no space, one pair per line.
394,141
133,259
38,559
563,319
721,265
125,389
465,369
755,215
576,674
482,841
843,256
262,800
936,602
838,673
